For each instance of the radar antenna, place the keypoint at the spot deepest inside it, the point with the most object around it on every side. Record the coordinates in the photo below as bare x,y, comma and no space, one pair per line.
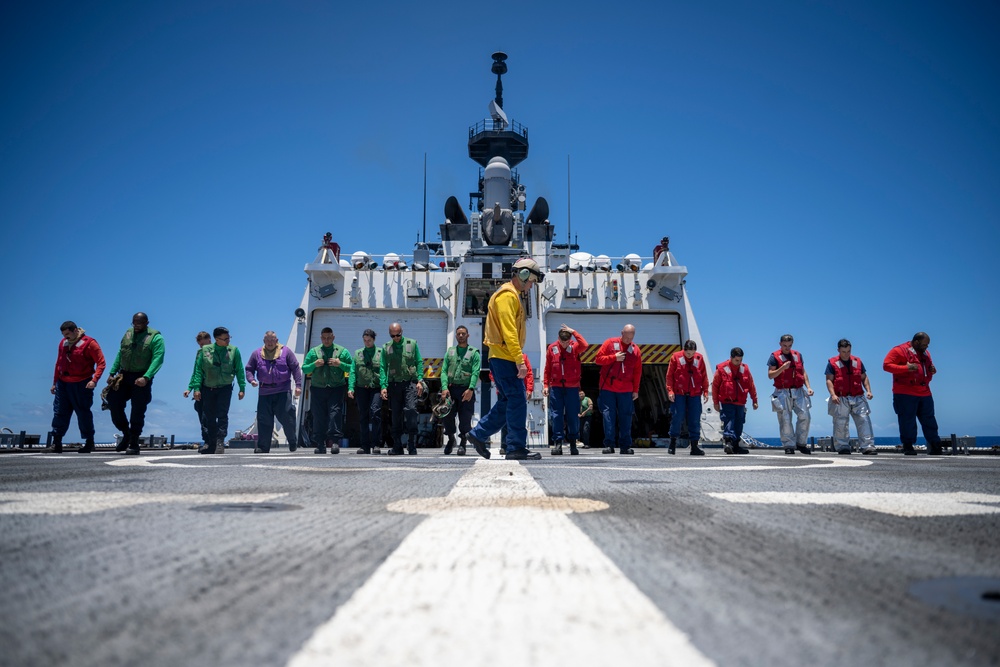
499,68
500,121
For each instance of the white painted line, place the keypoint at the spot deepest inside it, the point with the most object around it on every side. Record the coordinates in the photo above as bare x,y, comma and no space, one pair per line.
763,467
297,468
159,462
88,502
498,575
898,504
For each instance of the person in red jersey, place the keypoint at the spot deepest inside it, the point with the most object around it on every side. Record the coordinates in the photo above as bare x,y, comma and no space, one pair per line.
687,382
620,361
912,371
731,384
791,395
850,391
79,366
561,382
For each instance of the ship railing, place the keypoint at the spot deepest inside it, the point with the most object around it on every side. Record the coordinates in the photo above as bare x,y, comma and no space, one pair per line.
556,263
392,261
491,126
632,263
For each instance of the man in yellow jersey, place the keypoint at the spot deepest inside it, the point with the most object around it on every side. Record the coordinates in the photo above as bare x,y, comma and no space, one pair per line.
504,336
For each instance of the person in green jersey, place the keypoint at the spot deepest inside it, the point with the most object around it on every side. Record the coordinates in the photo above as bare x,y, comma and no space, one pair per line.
328,366
586,410
402,373
217,366
203,338
138,360
459,378
364,386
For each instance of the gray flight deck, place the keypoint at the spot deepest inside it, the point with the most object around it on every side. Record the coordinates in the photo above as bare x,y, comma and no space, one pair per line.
172,558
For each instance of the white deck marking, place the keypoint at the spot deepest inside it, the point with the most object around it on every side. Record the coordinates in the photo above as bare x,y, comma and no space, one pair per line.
758,465
87,502
297,468
498,575
898,504
158,462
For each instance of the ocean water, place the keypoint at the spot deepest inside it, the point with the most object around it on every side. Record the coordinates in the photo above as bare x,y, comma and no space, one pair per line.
889,441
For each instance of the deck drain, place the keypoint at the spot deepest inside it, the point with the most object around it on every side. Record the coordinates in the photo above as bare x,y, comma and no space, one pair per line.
973,596
246,507
638,481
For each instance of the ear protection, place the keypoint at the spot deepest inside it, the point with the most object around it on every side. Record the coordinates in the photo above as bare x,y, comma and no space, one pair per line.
524,274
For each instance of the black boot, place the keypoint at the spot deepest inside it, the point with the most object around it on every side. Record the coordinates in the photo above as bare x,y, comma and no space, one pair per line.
696,450
210,446
122,443
728,446
450,446
461,447
739,449
672,449
556,449
480,446
57,445
804,449
87,448
572,448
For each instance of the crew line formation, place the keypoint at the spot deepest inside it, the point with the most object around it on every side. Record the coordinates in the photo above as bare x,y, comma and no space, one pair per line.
394,373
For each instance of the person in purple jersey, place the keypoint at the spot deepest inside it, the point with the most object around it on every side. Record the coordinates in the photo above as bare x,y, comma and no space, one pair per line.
273,367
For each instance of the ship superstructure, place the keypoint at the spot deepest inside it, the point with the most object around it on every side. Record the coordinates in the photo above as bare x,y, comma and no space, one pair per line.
448,283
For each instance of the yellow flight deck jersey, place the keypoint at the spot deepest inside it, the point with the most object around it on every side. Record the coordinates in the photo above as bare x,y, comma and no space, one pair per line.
505,325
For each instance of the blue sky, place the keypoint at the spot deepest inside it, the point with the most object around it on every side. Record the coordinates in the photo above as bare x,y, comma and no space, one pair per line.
829,169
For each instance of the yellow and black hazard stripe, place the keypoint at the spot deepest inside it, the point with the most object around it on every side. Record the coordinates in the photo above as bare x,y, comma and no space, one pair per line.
652,353
432,367
658,354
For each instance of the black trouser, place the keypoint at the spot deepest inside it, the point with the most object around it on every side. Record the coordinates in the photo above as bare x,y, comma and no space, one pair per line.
73,397
270,406
585,430
215,409
462,409
369,401
403,403
910,409
201,420
140,397
327,408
